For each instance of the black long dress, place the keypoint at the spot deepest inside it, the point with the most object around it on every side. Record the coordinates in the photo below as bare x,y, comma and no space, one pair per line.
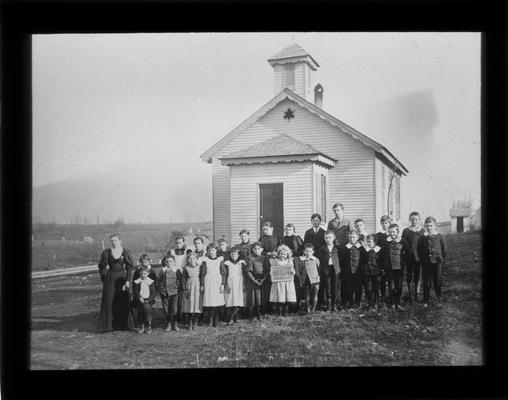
115,304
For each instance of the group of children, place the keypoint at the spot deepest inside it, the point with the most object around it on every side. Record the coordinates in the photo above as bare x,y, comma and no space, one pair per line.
331,269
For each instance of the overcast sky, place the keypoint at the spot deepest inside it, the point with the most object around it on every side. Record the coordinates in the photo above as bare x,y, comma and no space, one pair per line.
151,104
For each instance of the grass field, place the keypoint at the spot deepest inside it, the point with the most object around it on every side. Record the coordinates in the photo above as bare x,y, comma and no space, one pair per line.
65,311
49,251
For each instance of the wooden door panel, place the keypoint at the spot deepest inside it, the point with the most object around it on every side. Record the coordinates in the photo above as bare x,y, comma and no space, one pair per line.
271,207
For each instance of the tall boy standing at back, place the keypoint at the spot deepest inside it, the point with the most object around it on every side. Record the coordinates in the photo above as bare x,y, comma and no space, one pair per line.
330,270
411,234
340,225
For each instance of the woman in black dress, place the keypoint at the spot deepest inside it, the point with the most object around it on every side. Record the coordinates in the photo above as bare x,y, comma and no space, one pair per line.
116,268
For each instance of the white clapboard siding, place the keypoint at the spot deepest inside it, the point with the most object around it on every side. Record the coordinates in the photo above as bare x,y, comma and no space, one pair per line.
278,78
245,180
300,80
351,181
380,192
221,200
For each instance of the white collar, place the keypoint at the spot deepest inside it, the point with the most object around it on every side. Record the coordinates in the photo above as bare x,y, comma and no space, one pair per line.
147,280
415,229
239,261
376,248
430,234
397,240
357,245
303,258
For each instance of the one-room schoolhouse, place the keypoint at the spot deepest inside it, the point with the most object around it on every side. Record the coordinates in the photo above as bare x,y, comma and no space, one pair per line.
291,159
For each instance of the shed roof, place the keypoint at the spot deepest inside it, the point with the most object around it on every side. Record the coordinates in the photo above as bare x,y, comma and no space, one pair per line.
282,145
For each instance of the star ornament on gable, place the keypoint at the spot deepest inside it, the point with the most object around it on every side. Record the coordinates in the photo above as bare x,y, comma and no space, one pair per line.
289,114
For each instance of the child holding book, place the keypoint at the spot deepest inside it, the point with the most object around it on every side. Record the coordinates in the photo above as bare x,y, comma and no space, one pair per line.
283,293
432,251
307,268
295,243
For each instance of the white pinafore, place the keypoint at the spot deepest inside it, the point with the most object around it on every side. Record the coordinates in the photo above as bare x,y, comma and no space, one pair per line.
212,297
282,292
179,259
235,282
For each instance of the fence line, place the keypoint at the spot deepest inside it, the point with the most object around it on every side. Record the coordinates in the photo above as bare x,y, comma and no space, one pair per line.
64,271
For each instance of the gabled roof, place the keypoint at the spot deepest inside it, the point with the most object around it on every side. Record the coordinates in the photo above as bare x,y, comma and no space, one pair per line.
281,145
286,93
292,50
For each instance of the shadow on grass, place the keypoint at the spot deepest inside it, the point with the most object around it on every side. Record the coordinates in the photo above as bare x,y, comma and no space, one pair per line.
85,322
79,322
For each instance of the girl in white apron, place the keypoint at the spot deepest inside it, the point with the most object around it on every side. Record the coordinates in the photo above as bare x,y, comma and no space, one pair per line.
283,293
234,287
212,280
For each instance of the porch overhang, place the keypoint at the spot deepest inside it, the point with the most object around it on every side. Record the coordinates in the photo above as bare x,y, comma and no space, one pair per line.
317,158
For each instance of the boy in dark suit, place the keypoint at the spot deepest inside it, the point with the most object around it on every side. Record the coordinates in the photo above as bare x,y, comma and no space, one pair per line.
396,250
413,268
349,258
316,234
329,271
432,252
381,237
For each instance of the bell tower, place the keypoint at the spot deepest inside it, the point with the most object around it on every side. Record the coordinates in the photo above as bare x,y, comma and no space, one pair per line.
293,68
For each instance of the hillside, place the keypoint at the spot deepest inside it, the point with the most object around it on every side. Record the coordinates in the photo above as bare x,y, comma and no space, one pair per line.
135,196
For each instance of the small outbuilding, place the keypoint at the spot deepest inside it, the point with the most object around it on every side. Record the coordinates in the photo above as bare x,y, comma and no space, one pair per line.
460,219
291,159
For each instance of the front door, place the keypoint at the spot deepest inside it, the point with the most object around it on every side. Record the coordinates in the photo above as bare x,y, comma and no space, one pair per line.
460,224
271,207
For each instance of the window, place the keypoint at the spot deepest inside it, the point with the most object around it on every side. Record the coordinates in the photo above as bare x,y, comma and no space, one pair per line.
323,197
397,195
290,75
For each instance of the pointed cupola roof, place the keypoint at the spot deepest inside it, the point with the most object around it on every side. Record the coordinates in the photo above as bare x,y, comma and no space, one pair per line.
296,52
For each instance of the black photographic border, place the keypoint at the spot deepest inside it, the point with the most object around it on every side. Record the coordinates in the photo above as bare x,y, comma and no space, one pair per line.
20,19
